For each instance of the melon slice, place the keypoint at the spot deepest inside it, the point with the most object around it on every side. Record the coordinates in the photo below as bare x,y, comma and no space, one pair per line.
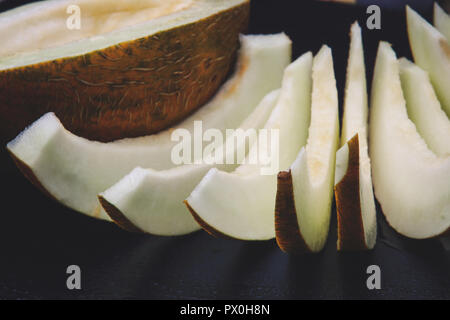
75,170
431,52
241,204
355,204
442,21
151,201
411,183
133,68
424,108
305,192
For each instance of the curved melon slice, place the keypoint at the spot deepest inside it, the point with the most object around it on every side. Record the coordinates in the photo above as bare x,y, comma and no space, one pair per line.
151,201
75,170
442,21
305,192
411,183
431,52
240,204
355,204
424,108
133,67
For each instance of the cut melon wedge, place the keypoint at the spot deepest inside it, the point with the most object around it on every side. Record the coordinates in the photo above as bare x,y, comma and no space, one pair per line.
442,21
424,108
411,183
151,201
133,67
241,204
431,52
355,204
305,192
75,170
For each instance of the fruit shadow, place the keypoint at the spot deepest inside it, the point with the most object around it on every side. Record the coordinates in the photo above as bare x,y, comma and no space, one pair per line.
247,273
304,276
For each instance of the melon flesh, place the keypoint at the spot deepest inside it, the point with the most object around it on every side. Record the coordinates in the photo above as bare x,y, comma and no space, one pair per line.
424,108
442,21
40,32
151,201
75,170
241,204
431,51
411,183
355,204
305,192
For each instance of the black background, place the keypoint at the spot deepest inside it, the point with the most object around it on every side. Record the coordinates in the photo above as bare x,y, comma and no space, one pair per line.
39,238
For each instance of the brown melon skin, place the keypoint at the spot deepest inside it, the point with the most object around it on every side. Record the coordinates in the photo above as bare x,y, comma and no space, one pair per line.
130,89
348,204
212,231
118,217
287,231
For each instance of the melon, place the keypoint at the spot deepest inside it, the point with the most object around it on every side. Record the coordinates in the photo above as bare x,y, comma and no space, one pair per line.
442,21
304,193
424,108
151,201
240,204
410,181
75,170
133,68
355,204
431,51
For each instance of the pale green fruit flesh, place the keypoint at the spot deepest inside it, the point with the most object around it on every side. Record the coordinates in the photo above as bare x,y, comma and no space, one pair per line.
442,21
152,200
74,170
424,108
241,204
411,183
431,52
355,122
40,32
313,170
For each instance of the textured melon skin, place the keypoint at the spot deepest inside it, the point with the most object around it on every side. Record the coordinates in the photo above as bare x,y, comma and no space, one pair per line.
130,89
288,235
348,204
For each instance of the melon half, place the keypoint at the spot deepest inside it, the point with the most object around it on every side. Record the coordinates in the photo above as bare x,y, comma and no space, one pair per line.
133,68
355,204
411,182
74,170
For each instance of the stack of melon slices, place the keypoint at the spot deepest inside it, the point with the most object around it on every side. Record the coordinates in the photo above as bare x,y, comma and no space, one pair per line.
135,183
74,170
410,160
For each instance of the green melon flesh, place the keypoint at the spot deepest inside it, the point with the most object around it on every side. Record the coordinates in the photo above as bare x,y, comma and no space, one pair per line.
442,21
152,201
41,33
305,192
411,183
241,204
355,205
431,51
424,108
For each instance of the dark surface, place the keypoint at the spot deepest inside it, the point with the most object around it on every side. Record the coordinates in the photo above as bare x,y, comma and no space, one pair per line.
39,238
